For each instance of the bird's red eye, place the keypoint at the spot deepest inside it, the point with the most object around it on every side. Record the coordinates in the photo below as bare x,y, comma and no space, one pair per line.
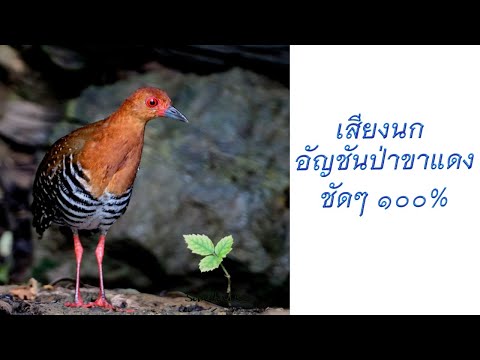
152,102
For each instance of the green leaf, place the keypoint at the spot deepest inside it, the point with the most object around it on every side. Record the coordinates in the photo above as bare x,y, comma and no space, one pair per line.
209,263
224,246
199,244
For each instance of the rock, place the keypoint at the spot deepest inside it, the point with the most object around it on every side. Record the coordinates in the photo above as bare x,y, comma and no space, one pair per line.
270,60
24,126
5,308
11,60
226,172
65,58
276,311
27,123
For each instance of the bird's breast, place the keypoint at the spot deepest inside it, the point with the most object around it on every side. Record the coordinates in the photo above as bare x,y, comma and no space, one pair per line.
112,166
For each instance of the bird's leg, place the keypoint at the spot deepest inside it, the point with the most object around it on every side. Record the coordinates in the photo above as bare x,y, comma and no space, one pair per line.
102,300
78,302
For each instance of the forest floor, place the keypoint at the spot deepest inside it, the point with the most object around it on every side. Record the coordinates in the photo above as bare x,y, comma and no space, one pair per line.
33,299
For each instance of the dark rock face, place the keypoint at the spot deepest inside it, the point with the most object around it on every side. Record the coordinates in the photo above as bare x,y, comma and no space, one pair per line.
226,172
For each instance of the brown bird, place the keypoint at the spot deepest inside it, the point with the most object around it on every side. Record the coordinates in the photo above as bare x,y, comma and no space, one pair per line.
86,178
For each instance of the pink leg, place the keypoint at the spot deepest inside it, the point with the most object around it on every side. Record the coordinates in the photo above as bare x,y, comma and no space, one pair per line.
102,300
78,255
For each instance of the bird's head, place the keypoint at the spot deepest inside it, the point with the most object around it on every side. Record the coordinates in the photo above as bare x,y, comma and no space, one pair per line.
148,103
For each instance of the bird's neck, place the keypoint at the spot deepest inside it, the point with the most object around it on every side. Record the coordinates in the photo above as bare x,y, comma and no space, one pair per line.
114,156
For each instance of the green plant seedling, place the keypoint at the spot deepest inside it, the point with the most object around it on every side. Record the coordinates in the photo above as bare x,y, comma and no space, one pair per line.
213,255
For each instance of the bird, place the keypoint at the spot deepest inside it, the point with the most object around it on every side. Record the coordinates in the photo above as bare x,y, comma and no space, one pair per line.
86,178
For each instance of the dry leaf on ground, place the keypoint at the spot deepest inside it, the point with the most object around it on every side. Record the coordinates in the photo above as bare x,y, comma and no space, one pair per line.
26,292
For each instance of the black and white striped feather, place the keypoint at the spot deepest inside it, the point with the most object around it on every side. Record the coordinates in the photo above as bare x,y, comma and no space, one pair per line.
61,195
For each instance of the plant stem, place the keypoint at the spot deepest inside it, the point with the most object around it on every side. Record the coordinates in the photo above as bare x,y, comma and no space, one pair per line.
229,288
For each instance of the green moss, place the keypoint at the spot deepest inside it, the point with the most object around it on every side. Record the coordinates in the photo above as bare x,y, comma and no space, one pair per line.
4,273
39,272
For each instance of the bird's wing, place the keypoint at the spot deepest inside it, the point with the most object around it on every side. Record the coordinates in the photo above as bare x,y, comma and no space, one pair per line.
44,187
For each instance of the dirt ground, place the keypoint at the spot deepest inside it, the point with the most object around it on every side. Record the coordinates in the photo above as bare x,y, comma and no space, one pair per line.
33,299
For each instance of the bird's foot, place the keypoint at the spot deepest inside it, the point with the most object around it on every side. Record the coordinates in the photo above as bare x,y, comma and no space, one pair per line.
76,304
101,302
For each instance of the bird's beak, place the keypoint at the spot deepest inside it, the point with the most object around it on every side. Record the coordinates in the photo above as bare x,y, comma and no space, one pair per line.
173,113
